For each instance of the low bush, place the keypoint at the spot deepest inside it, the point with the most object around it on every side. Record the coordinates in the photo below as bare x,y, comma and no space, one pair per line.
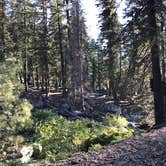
62,138
95,147
41,115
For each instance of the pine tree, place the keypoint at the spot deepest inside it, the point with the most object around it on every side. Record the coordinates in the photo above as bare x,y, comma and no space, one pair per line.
15,113
43,48
2,30
75,61
145,17
58,31
157,89
110,29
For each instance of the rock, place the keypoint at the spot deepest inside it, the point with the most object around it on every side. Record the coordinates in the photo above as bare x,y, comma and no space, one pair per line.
63,112
73,118
98,117
77,113
118,111
134,113
124,111
144,126
65,106
40,104
132,125
111,107
30,139
101,97
26,152
136,118
135,109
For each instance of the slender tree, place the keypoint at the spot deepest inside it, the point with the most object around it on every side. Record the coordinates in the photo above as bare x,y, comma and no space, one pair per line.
2,30
110,31
43,48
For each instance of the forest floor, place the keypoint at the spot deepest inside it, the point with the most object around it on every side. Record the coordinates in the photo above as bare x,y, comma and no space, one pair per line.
97,106
148,149
144,149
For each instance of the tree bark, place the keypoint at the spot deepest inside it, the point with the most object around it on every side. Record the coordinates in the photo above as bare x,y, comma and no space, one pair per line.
163,48
45,77
156,73
2,31
25,52
63,65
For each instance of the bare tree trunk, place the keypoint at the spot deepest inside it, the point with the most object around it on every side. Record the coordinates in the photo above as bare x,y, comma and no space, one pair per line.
45,77
37,78
112,81
2,31
77,53
163,33
63,65
157,91
33,79
120,63
47,86
25,52
68,56
98,71
81,65
163,49
42,83
93,75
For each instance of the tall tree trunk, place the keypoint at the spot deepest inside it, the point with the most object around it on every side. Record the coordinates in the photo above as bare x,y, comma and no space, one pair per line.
163,48
2,31
80,33
68,53
37,78
157,91
75,63
98,70
63,65
25,52
120,63
45,67
112,82
42,83
163,33
77,54
94,75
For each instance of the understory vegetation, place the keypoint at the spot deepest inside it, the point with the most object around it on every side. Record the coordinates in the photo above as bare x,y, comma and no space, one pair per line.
59,138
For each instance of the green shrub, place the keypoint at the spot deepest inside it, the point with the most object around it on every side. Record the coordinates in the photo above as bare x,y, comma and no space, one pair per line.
60,137
116,121
15,113
41,115
55,137
95,147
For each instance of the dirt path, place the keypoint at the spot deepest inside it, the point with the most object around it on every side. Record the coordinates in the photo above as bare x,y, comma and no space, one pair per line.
148,149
